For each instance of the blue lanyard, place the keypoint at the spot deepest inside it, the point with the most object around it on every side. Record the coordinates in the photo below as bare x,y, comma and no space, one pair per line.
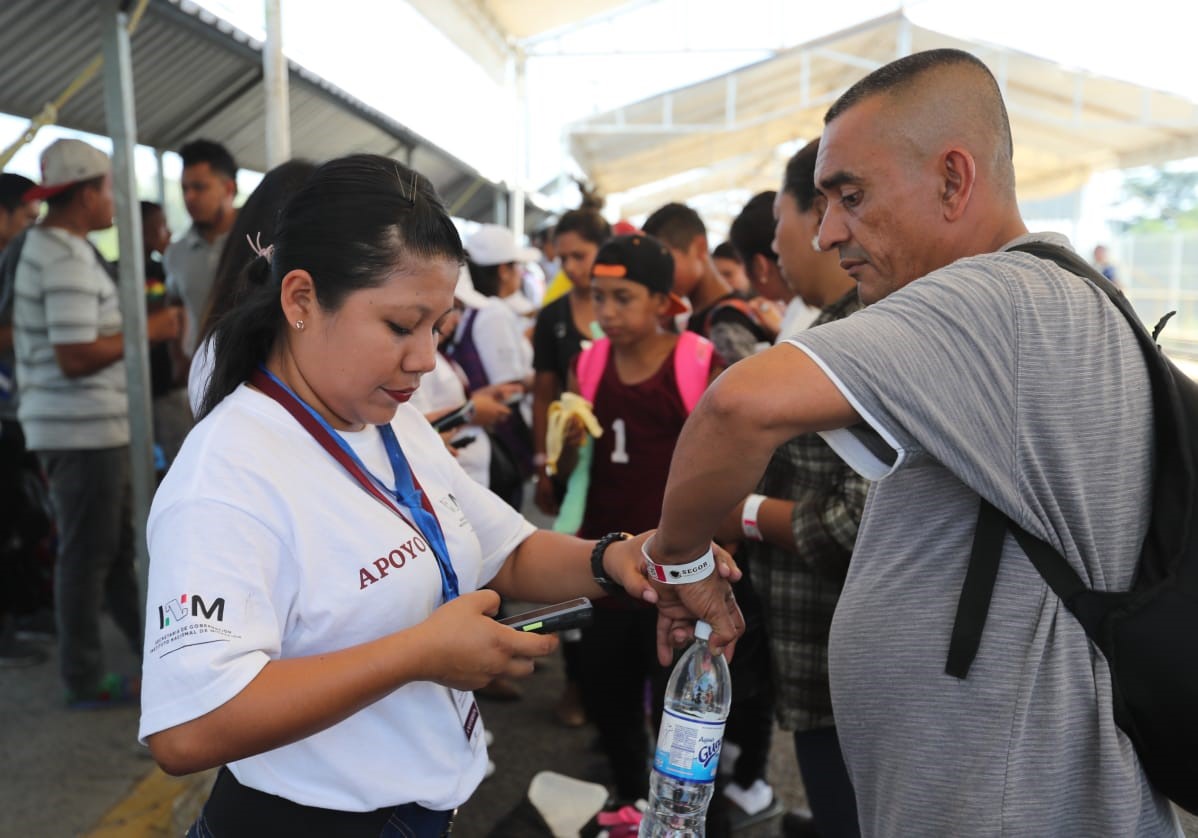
407,491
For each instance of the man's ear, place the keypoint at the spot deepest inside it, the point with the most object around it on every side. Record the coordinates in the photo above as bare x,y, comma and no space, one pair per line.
297,296
230,188
697,249
759,269
958,171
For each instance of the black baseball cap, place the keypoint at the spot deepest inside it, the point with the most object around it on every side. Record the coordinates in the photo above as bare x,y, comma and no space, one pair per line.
640,258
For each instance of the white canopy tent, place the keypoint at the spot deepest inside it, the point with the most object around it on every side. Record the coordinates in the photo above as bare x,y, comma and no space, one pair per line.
734,131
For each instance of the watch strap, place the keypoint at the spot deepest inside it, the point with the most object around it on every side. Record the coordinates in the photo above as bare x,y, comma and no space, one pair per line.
600,576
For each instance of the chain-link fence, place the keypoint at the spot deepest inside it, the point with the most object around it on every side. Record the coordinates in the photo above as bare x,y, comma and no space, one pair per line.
1159,274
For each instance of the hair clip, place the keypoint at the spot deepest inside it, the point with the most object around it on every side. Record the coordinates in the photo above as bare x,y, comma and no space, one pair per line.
411,196
256,246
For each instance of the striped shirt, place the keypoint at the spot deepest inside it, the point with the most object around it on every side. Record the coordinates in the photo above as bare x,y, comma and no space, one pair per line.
799,588
63,295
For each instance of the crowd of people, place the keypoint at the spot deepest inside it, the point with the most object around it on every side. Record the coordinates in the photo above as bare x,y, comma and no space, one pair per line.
353,404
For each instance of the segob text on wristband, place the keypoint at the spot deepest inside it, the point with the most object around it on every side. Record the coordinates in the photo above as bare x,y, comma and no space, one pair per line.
679,574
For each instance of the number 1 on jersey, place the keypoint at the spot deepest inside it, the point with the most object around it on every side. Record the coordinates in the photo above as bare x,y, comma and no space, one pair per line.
619,453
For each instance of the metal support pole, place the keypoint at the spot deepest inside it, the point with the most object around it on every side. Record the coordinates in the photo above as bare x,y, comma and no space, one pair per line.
118,109
160,177
522,138
275,81
501,202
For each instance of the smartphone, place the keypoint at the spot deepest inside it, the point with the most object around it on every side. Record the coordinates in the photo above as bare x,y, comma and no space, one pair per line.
514,399
574,613
455,418
462,442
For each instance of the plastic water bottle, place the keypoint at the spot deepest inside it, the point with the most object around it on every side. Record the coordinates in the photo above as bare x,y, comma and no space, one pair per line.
688,746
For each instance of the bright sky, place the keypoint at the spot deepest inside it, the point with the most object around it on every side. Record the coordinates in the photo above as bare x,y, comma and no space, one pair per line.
388,55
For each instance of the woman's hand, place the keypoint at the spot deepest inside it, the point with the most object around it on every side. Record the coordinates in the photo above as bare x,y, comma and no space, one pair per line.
710,600
464,648
679,606
488,409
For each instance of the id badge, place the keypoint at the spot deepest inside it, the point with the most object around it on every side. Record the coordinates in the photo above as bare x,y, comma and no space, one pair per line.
468,715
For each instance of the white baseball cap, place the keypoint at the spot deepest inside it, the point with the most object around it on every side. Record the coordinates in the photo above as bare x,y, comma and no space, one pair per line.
495,245
65,163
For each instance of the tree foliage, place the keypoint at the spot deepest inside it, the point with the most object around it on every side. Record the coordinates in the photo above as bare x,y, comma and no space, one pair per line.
1164,200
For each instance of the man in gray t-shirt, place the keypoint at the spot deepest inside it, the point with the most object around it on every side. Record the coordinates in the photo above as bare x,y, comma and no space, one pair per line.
973,372
209,186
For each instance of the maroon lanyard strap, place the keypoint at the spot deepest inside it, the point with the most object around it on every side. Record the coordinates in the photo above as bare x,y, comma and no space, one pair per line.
301,414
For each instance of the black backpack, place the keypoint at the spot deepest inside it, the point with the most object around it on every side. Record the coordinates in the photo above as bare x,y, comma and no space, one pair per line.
1148,634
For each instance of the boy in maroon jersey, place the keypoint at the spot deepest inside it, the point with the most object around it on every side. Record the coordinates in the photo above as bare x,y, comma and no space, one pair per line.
638,398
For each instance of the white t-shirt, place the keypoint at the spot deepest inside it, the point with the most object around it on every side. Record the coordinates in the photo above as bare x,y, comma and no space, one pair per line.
444,389
499,336
262,547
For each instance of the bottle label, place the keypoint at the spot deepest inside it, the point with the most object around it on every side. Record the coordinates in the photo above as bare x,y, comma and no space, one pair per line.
688,748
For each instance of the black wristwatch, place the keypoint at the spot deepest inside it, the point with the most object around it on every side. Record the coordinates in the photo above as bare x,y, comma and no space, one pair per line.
604,581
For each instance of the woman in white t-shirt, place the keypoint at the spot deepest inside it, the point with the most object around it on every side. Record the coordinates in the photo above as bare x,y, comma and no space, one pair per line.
316,620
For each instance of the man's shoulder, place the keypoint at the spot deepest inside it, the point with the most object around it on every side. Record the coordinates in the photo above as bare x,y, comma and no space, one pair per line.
186,242
47,245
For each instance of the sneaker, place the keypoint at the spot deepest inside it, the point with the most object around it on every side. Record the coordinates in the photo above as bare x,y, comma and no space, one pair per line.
112,691
15,653
753,805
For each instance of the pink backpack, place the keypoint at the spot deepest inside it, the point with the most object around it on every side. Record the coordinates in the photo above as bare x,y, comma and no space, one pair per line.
692,366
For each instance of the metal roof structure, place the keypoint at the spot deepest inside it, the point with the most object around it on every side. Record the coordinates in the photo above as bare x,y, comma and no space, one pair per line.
726,132
196,75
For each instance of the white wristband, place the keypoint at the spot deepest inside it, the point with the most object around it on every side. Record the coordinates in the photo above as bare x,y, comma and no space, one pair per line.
679,574
748,517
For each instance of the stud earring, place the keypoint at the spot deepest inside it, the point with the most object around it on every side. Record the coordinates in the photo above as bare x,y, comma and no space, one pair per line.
299,324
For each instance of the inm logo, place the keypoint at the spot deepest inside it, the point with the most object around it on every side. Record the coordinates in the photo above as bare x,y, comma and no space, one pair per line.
176,610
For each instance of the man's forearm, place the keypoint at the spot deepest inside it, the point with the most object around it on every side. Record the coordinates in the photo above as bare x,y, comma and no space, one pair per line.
719,459
755,406
80,359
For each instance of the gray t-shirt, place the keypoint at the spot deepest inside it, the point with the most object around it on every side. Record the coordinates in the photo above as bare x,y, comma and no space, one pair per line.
64,295
1005,376
191,264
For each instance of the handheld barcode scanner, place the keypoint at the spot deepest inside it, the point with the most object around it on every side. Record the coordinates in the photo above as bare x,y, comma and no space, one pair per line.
574,613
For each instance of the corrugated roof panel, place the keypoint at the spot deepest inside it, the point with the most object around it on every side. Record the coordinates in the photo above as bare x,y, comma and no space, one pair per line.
196,75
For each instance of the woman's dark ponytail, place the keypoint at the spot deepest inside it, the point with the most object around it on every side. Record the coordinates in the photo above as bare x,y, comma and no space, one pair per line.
244,334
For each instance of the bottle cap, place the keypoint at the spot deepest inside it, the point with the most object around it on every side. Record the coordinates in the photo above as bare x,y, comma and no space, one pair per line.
702,630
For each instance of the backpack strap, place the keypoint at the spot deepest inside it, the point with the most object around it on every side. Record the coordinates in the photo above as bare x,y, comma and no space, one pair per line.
992,525
737,304
591,363
692,367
